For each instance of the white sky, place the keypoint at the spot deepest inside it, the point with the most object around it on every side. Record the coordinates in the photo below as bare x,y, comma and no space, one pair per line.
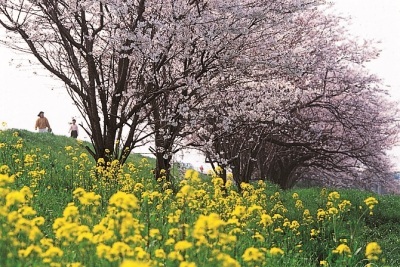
23,94
379,20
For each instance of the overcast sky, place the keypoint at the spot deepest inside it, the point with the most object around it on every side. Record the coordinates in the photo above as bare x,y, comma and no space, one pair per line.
23,93
380,20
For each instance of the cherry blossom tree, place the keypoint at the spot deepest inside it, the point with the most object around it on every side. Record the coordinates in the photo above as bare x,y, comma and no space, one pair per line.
205,47
89,46
134,68
335,115
258,85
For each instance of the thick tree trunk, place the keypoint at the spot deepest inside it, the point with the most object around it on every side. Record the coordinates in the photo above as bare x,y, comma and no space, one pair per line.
281,174
163,167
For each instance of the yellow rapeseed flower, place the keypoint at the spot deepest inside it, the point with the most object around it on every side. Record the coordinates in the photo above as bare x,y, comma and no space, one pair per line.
5,179
169,241
34,233
218,169
333,211
187,264
294,225
321,214
124,201
342,249
4,169
255,207
253,254
90,198
173,232
333,196
371,202
160,253
26,211
314,233
78,192
207,225
88,236
307,217
266,220
299,204
155,233
138,187
239,211
183,245
15,198
46,242
141,254
175,255
214,221
279,207
174,218
259,237
102,250
286,223
31,249
226,260
118,250
185,190
71,211
52,252
344,205
276,251
188,173
217,181
37,221
323,263
83,156
192,175
225,239
372,251
133,263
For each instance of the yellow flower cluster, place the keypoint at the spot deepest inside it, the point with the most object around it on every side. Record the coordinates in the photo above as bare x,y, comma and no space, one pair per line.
23,226
372,251
343,249
117,217
371,202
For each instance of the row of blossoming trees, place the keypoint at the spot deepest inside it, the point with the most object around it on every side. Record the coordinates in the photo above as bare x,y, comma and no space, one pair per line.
273,89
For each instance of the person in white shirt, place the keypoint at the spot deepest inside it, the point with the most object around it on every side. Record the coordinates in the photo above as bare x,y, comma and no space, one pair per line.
74,129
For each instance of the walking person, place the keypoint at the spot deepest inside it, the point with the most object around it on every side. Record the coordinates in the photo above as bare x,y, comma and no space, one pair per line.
73,129
42,123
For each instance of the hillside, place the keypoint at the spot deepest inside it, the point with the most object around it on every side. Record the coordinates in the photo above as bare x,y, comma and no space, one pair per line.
94,215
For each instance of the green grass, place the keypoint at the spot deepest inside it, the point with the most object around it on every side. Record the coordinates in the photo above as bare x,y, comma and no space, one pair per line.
54,189
54,166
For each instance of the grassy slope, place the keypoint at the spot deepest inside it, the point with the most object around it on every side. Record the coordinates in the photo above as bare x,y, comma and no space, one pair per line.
56,186
50,150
